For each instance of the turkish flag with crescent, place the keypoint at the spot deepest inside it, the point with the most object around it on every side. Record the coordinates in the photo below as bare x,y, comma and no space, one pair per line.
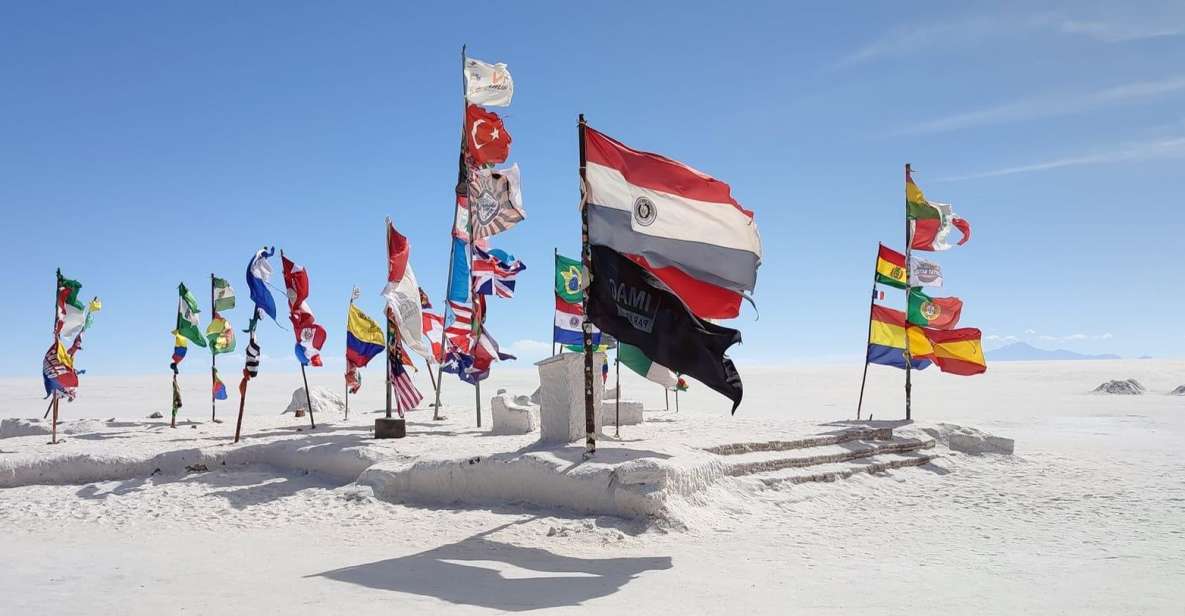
486,137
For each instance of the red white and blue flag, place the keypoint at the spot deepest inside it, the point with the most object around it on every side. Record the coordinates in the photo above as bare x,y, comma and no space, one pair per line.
310,336
494,272
406,394
459,332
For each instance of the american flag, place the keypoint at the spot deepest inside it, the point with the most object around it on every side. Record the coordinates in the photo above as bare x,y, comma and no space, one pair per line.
494,272
406,394
460,330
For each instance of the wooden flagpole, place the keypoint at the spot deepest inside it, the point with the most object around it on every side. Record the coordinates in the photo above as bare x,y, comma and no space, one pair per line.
387,316
590,419
867,339
353,294
462,184
908,248
242,399
213,360
54,402
173,415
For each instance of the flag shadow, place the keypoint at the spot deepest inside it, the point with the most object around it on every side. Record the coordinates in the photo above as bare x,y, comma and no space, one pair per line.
482,572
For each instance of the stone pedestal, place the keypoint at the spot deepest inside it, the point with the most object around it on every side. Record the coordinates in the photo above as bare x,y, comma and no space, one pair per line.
561,400
631,412
390,428
512,416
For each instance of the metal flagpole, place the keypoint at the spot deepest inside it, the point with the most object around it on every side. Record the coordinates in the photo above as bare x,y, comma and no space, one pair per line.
617,401
676,399
908,248
213,360
590,421
666,394
308,398
867,339
555,252
353,294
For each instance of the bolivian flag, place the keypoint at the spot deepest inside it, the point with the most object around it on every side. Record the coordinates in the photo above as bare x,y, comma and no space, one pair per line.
890,267
886,340
957,351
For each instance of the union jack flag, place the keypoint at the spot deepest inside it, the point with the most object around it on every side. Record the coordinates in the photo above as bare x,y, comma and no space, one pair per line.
494,272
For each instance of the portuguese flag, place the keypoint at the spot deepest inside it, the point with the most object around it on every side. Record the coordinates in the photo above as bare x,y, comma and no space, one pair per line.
890,267
933,312
931,221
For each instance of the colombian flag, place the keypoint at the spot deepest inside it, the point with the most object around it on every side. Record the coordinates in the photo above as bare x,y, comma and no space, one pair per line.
180,346
364,338
890,267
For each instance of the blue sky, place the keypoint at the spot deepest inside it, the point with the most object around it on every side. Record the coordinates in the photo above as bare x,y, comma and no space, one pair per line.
151,143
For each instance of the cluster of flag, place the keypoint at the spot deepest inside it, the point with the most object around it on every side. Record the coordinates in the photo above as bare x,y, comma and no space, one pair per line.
488,201
670,249
926,332
219,335
72,319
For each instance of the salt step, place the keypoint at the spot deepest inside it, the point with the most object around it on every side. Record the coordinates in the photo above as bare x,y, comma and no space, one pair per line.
765,461
843,470
859,434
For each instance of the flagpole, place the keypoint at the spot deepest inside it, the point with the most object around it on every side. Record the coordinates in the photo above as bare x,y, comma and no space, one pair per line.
307,394
173,415
871,303
352,293
213,360
54,402
590,419
387,314
246,375
478,318
617,420
452,245
908,357
666,395
555,253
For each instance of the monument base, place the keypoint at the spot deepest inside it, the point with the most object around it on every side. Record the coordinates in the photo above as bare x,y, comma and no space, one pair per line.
385,427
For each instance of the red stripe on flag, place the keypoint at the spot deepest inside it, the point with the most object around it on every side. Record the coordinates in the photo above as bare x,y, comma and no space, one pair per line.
892,256
705,300
657,172
567,308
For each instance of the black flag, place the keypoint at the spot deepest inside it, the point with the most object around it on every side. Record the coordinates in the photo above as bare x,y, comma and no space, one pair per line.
633,306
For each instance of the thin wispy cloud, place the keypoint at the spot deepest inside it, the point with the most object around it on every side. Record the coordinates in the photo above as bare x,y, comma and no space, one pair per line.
973,30
1049,106
1147,150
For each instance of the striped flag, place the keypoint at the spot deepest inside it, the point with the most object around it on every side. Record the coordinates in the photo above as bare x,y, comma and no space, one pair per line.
460,330
251,365
406,394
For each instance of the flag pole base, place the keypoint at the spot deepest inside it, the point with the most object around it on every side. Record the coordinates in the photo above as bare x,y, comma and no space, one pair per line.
389,427
298,413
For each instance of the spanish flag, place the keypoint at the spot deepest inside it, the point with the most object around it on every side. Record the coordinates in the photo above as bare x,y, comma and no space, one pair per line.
958,351
890,267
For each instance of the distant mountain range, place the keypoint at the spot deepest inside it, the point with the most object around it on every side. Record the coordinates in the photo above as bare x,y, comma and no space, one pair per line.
1020,351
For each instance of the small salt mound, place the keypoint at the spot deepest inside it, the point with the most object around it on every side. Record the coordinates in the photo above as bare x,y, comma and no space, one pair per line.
1179,391
324,401
15,426
970,440
1130,387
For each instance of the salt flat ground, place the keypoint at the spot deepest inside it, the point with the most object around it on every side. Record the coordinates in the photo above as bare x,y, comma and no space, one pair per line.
1087,517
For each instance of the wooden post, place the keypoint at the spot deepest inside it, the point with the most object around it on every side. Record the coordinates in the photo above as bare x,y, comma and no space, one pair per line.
871,304
54,430
213,360
462,184
242,403
666,394
590,418
908,248
173,415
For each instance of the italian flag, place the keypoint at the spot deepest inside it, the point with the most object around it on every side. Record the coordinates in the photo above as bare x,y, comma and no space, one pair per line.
635,360
930,221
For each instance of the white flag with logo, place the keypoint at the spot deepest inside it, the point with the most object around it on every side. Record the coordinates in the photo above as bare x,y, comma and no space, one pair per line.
488,84
924,273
